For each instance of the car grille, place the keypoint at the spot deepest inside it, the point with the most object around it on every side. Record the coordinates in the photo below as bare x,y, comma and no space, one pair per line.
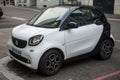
19,43
20,57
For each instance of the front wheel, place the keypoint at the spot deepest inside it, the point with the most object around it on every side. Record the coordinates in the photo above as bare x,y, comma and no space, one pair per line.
105,49
50,62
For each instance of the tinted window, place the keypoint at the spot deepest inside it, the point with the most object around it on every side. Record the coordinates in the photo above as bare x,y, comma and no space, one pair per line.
87,14
99,15
77,17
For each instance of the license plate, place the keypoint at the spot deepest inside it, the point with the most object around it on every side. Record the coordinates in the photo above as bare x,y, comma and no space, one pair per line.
16,51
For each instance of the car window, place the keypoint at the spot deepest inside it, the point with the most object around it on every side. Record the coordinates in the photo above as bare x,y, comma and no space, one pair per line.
77,17
87,14
49,18
99,15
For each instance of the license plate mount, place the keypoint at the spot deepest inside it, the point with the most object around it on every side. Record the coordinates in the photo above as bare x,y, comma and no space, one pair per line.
16,51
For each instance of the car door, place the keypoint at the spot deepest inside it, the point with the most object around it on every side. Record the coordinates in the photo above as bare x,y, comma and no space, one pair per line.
82,39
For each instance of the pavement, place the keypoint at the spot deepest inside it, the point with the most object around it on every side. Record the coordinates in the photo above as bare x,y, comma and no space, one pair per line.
113,16
5,32
3,49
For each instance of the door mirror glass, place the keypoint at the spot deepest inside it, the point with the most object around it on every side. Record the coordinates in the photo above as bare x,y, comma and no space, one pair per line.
72,25
97,22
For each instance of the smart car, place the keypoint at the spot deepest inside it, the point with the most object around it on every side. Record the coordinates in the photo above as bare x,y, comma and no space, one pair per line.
1,12
60,33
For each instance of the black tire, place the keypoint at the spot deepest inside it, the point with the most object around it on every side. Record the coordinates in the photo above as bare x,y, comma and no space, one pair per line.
50,63
105,49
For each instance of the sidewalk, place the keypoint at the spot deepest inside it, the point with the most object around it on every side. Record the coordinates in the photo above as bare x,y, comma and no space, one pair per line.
114,16
4,36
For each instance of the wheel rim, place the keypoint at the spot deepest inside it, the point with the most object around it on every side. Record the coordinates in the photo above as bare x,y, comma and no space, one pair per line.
107,48
53,63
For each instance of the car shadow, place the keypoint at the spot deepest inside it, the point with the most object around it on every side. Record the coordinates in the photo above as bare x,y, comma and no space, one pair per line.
26,72
70,69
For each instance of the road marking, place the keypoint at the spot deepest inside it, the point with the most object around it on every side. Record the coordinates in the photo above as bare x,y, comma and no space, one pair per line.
117,41
112,19
5,71
36,10
16,18
108,75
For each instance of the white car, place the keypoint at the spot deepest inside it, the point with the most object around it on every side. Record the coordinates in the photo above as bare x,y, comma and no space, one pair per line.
60,33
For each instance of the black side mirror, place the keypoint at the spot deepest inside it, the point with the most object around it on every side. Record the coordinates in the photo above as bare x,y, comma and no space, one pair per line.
97,22
72,25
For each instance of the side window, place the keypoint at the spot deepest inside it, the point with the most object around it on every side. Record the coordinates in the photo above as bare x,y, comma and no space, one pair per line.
81,17
77,17
87,14
99,15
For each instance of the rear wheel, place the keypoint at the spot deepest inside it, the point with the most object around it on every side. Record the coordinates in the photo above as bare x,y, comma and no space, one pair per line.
105,49
50,62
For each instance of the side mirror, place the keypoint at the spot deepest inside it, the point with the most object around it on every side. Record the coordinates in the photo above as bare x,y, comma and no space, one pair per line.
97,22
71,25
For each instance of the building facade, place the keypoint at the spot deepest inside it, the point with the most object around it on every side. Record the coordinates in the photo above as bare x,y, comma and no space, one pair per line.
106,6
27,3
117,7
47,3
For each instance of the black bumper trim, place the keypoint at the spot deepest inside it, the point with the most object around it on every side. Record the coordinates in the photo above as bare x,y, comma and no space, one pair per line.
20,57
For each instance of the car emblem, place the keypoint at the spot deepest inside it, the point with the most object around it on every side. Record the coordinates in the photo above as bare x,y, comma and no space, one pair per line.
16,42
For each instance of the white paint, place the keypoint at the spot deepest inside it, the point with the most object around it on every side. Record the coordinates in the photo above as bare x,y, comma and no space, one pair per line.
5,71
112,19
16,18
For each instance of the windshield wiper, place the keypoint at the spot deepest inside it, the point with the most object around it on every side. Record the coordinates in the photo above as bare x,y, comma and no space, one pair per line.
30,24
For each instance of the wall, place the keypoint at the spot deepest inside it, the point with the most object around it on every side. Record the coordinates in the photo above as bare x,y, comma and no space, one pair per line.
117,7
16,2
83,2
87,2
48,3
21,3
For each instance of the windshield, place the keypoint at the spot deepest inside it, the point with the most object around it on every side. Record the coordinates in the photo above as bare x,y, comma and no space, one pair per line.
49,18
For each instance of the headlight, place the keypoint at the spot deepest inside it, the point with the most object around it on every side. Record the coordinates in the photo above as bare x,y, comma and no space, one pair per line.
35,40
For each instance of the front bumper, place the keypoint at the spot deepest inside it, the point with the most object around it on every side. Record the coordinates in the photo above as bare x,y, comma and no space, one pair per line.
29,56
25,60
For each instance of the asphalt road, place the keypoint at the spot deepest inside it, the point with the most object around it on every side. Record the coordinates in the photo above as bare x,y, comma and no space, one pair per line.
83,69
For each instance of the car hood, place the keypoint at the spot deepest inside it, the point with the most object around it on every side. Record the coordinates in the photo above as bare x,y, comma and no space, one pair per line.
25,31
